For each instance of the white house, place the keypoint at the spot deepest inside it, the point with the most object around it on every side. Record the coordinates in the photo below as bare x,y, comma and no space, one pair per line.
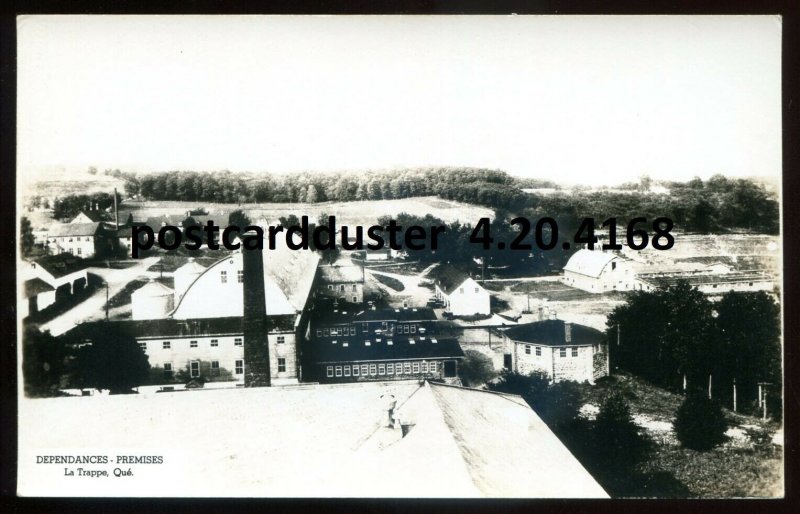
461,294
345,283
599,272
561,350
80,239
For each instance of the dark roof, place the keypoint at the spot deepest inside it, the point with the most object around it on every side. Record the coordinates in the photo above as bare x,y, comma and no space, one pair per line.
60,265
552,332
405,314
35,286
326,315
74,229
447,277
356,350
161,328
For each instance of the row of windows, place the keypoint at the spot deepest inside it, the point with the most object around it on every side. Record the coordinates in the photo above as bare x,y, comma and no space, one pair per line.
223,276
213,343
238,368
77,239
400,368
342,288
562,352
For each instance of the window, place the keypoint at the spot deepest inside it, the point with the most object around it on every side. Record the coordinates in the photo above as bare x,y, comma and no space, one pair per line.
461,290
477,289
365,327
192,344
355,288
355,299
538,351
281,339
214,343
168,370
214,368
347,371
424,367
413,329
223,277
352,331
239,367
329,371
432,367
574,351
79,251
319,332
330,287
326,332
355,370
373,369
390,369
166,345
562,352
528,349
338,371
237,341
143,346
194,369
240,276
416,367
341,288
281,365
407,368
363,370
381,369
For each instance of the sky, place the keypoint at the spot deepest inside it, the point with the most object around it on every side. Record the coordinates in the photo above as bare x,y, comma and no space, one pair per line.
581,100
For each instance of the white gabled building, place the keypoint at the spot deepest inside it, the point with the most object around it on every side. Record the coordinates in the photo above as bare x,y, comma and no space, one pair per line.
599,272
461,294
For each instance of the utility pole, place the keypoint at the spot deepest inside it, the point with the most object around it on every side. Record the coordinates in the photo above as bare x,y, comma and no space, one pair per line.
106,301
734,394
709,386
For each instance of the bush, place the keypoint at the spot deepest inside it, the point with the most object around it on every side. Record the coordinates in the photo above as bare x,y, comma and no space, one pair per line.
476,368
700,423
617,438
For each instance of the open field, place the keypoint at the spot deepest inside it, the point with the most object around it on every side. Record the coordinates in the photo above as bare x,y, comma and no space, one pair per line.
363,213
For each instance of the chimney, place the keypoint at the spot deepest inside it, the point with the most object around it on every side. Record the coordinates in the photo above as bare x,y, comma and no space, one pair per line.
541,313
553,314
390,430
256,346
116,211
568,332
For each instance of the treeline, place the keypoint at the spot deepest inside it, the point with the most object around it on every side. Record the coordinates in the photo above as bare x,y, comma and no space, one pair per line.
675,334
715,205
69,206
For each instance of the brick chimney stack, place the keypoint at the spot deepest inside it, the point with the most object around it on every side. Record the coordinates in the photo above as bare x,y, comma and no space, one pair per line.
255,325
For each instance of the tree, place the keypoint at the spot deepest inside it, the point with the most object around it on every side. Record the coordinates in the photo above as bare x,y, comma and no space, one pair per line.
700,423
532,387
618,441
239,219
26,238
43,362
92,170
475,369
113,360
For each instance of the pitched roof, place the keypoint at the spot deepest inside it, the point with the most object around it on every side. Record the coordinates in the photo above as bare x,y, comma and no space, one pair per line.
589,262
463,442
552,332
447,277
168,327
401,348
60,265
152,289
35,286
74,229
94,216
341,273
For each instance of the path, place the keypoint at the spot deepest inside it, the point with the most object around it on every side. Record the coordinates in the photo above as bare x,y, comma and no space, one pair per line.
92,307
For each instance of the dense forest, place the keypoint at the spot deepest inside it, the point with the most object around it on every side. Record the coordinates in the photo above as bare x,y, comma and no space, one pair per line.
714,205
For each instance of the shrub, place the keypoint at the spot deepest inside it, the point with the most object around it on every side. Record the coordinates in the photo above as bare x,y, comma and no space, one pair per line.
700,423
617,438
476,368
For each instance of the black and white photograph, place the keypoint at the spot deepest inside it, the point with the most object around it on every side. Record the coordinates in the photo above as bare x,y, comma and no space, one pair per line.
312,256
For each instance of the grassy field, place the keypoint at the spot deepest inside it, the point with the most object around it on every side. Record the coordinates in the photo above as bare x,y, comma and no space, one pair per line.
364,213
389,282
